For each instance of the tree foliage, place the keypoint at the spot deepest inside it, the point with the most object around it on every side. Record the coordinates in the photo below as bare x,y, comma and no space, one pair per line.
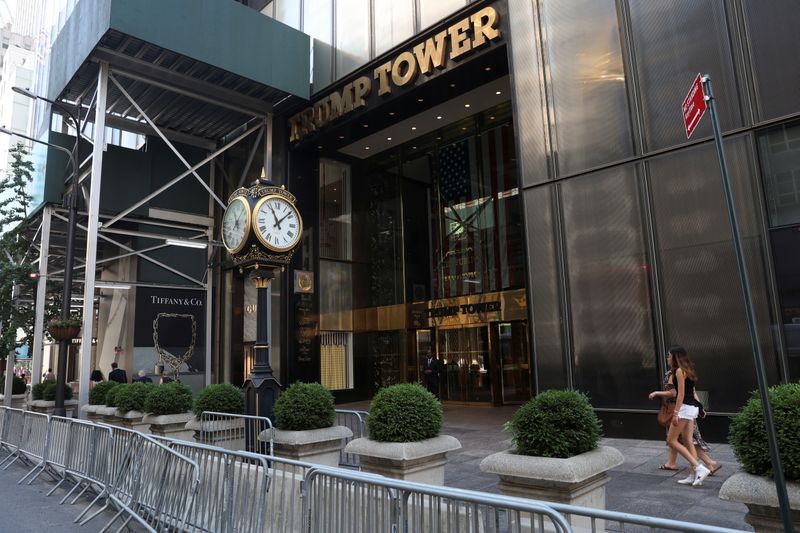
16,256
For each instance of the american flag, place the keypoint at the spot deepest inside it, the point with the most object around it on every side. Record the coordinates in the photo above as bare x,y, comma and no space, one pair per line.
454,172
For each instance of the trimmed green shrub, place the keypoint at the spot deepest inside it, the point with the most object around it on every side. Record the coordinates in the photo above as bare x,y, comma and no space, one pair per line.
49,391
97,396
304,406
555,423
168,399
111,395
37,391
220,398
18,386
132,397
404,413
748,434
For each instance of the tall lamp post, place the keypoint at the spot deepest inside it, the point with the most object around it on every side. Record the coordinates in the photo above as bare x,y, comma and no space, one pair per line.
71,201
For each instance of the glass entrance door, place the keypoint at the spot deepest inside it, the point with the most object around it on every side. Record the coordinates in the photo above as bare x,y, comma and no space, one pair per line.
515,376
464,356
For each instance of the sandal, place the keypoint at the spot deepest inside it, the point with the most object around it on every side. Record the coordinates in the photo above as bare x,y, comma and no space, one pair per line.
665,466
715,470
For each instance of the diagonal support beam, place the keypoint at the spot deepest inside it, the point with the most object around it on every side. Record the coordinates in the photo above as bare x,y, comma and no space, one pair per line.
166,141
180,176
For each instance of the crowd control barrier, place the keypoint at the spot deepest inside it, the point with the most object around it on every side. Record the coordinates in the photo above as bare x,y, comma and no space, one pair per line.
236,432
356,421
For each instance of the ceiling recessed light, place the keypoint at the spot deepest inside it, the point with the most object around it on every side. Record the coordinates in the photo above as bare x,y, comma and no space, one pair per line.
499,92
391,113
413,147
388,138
413,128
319,147
466,105
365,125
366,148
341,136
420,99
438,117
464,129
452,85
491,118
487,69
438,138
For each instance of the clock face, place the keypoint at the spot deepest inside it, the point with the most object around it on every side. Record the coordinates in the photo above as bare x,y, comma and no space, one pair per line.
236,224
278,224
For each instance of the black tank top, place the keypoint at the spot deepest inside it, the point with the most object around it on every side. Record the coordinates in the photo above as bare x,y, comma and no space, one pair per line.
688,392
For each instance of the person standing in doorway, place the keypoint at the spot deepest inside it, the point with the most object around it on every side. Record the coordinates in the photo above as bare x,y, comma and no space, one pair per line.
49,376
431,371
117,374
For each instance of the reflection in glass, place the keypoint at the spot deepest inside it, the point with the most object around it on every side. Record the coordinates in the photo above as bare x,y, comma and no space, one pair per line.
588,83
671,38
288,12
335,240
786,255
432,11
614,354
394,23
336,360
514,361
780,157
352,35
464,358
336,296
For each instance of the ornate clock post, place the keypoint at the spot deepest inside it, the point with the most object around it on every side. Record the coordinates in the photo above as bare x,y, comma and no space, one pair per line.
261,229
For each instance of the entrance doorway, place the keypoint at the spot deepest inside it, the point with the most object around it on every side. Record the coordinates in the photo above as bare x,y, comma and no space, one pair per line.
486,363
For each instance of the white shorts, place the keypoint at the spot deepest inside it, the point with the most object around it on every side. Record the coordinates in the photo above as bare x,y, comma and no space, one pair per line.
688,412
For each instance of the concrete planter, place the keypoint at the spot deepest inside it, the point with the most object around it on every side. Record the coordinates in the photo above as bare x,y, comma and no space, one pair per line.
172,426
18,401
319,446
47,407
579,480
106,415
421,461
759,495
228,434
132,420
91,412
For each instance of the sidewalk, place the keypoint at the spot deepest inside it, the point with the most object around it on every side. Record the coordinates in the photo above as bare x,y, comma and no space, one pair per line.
637,486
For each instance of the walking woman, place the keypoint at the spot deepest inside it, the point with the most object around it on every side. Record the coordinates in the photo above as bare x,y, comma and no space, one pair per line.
686,410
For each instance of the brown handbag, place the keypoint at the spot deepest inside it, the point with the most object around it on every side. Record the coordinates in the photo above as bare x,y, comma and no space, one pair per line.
666,413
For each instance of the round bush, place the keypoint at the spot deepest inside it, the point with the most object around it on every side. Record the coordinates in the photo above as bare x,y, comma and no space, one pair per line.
18,385
748,434
168,399
132,397
97,396
220,398
37,391
111,395
49,391
404,413
555,423
304,406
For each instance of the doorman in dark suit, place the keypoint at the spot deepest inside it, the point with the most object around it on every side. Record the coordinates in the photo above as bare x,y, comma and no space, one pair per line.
431,371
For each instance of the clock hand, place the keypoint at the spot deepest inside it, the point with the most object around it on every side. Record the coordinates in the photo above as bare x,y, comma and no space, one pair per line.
284,218
277,222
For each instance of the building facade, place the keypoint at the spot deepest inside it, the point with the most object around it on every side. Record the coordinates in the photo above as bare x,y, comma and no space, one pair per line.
508,185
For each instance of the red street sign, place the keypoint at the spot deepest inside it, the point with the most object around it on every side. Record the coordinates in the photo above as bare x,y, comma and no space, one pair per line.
694,105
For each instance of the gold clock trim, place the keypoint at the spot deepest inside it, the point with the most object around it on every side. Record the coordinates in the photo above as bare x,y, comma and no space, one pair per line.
247,227
261,237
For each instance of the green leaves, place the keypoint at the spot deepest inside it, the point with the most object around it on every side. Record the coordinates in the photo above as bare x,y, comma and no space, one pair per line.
748,433
304,406
97,396
49,391
131,396
404,413
18,385
555,423
168,399
221,398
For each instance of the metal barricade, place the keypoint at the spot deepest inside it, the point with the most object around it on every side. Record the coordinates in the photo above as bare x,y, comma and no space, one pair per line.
157,489
35,439
236,432
338,500
13,434
355,421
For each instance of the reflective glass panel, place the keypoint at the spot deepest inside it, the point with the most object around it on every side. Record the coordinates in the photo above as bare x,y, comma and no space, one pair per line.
588,83
673,39
786,256
394,23
777,71
336,296
335,240
701,294
432,11
352,35
288,12
614,357
780,166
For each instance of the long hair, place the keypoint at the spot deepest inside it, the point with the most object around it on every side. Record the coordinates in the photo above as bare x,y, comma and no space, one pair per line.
680,359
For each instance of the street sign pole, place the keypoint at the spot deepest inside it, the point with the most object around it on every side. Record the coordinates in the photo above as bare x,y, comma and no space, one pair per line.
777,469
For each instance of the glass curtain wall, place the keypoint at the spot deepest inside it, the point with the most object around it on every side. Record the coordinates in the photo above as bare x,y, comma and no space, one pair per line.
625,261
